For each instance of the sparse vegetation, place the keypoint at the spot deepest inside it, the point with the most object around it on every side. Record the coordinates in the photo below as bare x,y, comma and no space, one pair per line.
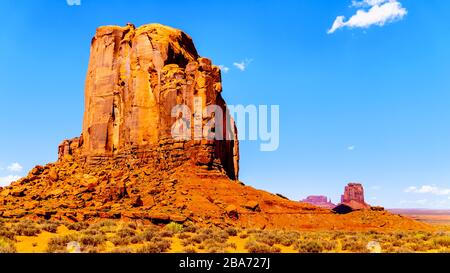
135,237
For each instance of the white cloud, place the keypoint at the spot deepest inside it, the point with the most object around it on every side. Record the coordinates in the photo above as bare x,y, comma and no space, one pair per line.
242,65
15,167
5,181
372,12
224,68
427,189
351,148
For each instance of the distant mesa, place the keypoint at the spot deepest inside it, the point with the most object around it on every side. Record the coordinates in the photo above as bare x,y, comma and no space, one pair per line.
352,199
320,201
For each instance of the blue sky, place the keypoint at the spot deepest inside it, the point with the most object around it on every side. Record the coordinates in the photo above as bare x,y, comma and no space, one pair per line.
368,102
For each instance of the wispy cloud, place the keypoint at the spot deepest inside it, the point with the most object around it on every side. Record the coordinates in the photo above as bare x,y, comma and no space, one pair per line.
5,181
15,167
371,12
367,3
243,65
428,189
224,68
351,148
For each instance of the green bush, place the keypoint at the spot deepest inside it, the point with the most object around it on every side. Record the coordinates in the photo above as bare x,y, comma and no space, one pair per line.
174,227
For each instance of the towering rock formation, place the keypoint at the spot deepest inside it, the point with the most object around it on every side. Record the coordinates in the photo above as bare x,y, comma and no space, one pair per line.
352,199
320,201
353,192
136,76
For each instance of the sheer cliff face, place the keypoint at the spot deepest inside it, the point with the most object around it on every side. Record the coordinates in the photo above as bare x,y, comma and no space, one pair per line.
135,78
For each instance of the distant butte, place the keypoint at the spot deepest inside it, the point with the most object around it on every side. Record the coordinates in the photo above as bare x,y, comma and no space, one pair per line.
320,201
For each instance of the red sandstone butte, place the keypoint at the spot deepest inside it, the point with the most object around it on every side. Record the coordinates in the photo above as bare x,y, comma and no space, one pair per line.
135,78
352,199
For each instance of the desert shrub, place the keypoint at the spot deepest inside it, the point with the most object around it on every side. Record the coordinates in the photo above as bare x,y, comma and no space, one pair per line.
289,238
119,241
219,236
268,237
132,225
7,233
403,249
399,235
184,236
337,235
93,231
105,226
155,247
232,231
188,242
106,223
7,246
328,245
201,246
92,240
126,232
189,227
148,234
174,227
58,244
136,239
92,249
354,246
26,228
78,226
51,227
310,247
255,247
442,241
122,249
189,250
199,238
165,233
253,231
243,235
216,249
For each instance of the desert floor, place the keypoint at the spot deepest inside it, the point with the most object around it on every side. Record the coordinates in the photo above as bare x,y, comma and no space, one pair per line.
25,236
